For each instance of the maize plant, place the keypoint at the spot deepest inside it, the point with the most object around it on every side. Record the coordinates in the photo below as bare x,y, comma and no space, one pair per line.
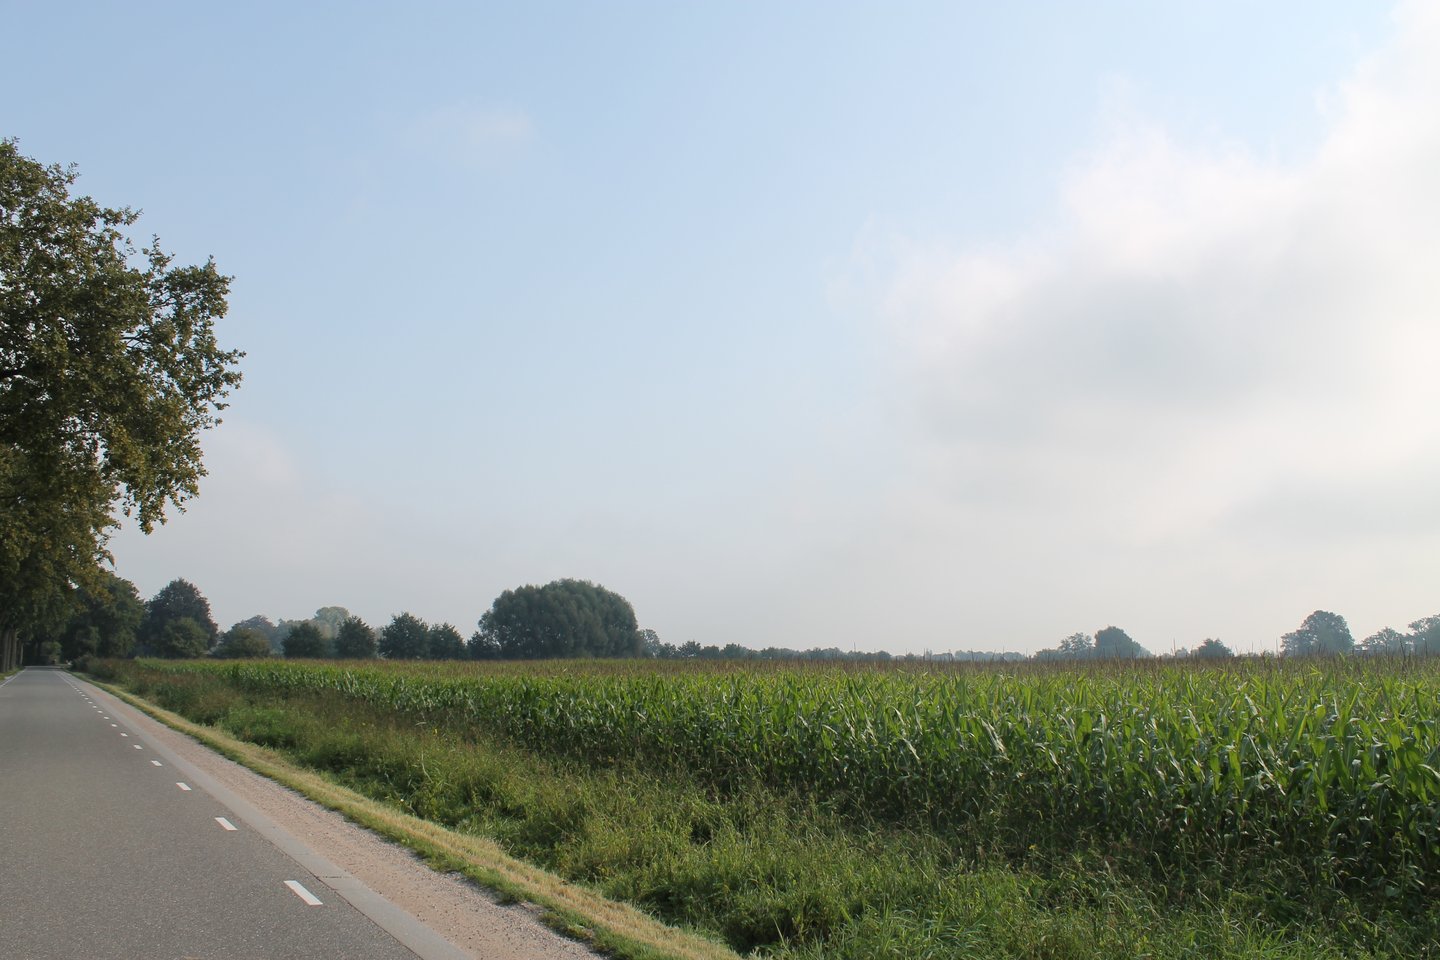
1335,762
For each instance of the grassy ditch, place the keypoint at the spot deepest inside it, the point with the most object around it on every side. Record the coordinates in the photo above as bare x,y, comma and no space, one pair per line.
775,869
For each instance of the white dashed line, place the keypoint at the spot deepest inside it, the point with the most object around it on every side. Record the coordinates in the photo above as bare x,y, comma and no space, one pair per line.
138,747
114,724
226,823
183,786
124,734
302,893
156,763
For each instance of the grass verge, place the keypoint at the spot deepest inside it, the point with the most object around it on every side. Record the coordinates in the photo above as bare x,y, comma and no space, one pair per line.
614,928
773,874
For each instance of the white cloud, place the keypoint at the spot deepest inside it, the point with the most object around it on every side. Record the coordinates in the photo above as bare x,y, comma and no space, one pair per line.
1208,358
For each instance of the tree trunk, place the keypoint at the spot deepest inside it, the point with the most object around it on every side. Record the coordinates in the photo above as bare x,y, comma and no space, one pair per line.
9,649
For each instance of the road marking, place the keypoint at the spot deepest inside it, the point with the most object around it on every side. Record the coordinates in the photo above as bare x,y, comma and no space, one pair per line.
124,734
183,786
302,893
226,823
114,724
138,747
156,763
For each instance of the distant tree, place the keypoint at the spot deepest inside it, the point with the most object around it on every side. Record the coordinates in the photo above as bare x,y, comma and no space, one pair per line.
1425,634
354,640
1332,633
1210,649
650,643
243,643
481,647
177,600
107,615
1297,643
305,641
328,620
283,628
405,637
1322,632
181,637
264,626
1385,641
446,643
564,618
1112,643
1077,646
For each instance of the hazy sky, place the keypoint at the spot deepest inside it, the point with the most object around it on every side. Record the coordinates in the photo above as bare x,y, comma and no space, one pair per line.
903,326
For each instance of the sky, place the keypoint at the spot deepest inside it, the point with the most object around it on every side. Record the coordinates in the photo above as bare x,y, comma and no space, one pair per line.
916,326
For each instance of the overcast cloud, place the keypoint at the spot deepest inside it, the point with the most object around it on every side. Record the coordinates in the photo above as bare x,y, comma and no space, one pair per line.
1210,368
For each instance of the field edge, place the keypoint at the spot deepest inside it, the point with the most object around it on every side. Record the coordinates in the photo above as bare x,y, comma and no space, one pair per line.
614,928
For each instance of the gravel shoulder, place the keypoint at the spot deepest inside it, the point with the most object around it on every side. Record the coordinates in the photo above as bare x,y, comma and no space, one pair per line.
467,917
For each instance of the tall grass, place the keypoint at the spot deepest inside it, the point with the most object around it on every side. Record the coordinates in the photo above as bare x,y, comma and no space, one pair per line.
1331,769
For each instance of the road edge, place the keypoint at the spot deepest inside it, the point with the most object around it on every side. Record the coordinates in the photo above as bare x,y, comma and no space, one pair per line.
615,928
410,932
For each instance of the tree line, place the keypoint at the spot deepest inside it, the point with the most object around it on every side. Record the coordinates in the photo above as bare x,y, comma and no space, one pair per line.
565,618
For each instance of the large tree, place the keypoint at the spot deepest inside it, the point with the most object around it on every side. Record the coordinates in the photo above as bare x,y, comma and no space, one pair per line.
107,616
446,643
1425,634
305,641
109,372
1212,649
1112,643
565,618
1386,640
180,638
243,643
405,637
328,620
1322,632
482,647
177,600
355,640
1077,646
264,626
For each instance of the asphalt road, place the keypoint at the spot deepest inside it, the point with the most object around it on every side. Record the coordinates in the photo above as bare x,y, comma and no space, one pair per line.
109,850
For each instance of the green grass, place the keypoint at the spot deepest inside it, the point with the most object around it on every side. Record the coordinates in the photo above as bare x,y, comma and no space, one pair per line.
1255,811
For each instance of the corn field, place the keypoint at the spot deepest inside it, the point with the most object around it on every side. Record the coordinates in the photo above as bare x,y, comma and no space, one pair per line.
1334,765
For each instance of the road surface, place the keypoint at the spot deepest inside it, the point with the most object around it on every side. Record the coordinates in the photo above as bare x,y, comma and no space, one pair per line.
108,850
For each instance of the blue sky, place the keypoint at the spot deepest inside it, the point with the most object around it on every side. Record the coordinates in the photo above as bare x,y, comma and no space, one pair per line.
929,326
